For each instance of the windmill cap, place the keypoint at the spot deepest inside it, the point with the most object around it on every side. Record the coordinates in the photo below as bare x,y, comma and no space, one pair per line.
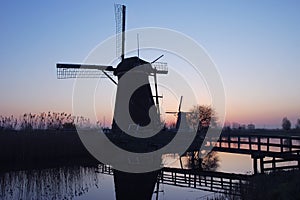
129,63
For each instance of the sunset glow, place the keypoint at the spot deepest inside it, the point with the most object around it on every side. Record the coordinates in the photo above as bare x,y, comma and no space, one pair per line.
254,45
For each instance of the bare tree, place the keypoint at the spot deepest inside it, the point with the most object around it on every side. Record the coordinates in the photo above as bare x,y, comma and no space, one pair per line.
286,124
202,116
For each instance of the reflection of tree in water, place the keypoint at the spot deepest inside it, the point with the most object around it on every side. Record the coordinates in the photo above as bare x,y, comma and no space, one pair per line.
57,183
209,163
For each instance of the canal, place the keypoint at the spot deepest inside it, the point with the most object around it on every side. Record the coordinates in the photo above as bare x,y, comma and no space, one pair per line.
86,182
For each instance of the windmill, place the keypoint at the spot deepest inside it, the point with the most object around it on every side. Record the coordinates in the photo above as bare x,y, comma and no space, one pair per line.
142,99
127,185
181,116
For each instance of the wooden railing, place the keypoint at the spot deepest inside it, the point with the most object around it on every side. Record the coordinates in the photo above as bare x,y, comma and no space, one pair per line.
267,145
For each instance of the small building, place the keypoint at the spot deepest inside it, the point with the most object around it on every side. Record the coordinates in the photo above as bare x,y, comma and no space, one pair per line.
251,126
235,125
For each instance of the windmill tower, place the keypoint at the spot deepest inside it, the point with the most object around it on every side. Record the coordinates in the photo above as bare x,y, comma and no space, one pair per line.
142,99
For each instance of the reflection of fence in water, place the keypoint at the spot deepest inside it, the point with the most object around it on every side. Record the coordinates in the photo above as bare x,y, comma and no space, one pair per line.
203,180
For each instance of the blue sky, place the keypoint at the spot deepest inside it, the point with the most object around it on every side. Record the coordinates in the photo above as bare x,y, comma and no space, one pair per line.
255,45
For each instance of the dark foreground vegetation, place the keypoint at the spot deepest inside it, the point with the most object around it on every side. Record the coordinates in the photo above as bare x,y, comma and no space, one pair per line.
39,139
36,146
275,185
279,185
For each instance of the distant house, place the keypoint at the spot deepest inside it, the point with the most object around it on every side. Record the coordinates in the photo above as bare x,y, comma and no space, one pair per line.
251,126
242,127
235,125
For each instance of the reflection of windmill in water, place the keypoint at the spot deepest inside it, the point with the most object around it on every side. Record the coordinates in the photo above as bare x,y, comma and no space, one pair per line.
142,99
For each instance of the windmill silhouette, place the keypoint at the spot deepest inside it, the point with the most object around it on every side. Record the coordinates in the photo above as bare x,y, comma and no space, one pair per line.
181,116
128,185
142,99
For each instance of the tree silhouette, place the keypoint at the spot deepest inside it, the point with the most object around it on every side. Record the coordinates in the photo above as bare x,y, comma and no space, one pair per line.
202,116
286,124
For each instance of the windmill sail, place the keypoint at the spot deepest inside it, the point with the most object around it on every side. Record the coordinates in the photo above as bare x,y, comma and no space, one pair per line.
161,67
120,30
65,71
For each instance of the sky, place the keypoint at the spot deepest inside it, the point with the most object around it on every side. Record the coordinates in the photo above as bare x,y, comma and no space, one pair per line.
254,44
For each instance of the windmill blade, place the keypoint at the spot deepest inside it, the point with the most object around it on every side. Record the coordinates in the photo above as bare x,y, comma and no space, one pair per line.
83,66
65,71
156,89
138,45
157,59
160,67
110,78
120,15
177,112
179,108
173,113
156,92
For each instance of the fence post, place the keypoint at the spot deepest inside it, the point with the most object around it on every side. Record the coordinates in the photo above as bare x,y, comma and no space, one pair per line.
255,165
258,143
281,145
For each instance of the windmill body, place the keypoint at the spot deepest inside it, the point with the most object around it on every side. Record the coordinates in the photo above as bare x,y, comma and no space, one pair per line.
142,99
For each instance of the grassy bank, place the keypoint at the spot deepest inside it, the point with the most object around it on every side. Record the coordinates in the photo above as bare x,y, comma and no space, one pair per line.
40,145
276,185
